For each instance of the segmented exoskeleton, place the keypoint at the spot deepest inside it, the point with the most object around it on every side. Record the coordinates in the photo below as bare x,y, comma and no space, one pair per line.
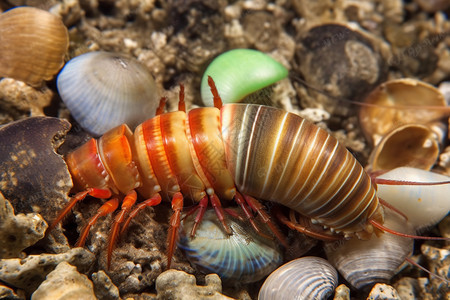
214,152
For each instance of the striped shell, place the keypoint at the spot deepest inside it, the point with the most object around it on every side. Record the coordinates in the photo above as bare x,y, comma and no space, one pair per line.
303,278
239,73
272,155
424,205
33,43
103,90
364,263
244,256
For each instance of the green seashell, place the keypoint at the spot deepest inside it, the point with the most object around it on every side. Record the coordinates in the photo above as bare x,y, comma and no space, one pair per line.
240,72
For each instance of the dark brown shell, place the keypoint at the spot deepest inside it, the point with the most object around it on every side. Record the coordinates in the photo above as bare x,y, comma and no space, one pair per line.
34,177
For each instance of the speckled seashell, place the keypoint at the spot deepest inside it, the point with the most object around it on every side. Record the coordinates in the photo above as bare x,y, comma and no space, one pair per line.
377,120
303,278
33,43
240,72
366,262
244,256
103,90
424,205
411,145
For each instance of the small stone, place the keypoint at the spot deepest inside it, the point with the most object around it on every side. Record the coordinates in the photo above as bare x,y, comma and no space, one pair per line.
28,273
18,231
180,285
383,291
342,292
103,287
65,283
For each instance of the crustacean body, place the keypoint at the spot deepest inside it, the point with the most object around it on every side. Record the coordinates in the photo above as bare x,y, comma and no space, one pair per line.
219,152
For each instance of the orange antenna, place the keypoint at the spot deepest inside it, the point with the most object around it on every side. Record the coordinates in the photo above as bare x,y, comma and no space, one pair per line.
181,103
217,99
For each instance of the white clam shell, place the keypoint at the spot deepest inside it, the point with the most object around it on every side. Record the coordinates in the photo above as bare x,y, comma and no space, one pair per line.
303,278
103,90
365,262
424,205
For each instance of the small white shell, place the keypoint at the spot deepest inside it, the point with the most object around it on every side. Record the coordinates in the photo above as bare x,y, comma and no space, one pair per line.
303,278
425,205
366,262
103,90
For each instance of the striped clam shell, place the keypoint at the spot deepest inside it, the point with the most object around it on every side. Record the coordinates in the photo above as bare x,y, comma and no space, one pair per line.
244,256
33,43
103,90
303,278
364,263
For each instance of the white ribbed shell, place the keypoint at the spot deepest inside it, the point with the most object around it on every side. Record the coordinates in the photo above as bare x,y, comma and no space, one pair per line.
243,256
103,90
303,278
364,263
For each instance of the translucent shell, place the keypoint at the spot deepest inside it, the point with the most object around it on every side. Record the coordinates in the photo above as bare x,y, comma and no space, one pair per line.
244,256
303,278
425,205
410,145
33,43
364,263
376,121
239,73
103,90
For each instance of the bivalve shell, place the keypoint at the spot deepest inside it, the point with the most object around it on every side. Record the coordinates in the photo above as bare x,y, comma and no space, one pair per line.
33,43
366,262
244,256
303,278
103,90
397,102
411,145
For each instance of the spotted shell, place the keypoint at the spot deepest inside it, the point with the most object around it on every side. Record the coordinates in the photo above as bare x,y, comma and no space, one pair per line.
303,278
33,43
244,256
103,90
239,73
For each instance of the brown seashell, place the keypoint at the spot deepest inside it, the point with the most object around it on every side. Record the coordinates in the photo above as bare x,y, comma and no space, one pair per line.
33,43
376,121
411,145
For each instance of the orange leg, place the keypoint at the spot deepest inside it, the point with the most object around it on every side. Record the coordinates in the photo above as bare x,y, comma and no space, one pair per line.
175,219
109,207
305,229
215,203
202,205
97,193
248,214
259,208
155,200
127,203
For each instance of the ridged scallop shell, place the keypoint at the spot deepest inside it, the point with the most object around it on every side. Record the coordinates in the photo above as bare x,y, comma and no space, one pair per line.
366,262
244,256
303,278
377,120
411,145
33,43
103,90
424,205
